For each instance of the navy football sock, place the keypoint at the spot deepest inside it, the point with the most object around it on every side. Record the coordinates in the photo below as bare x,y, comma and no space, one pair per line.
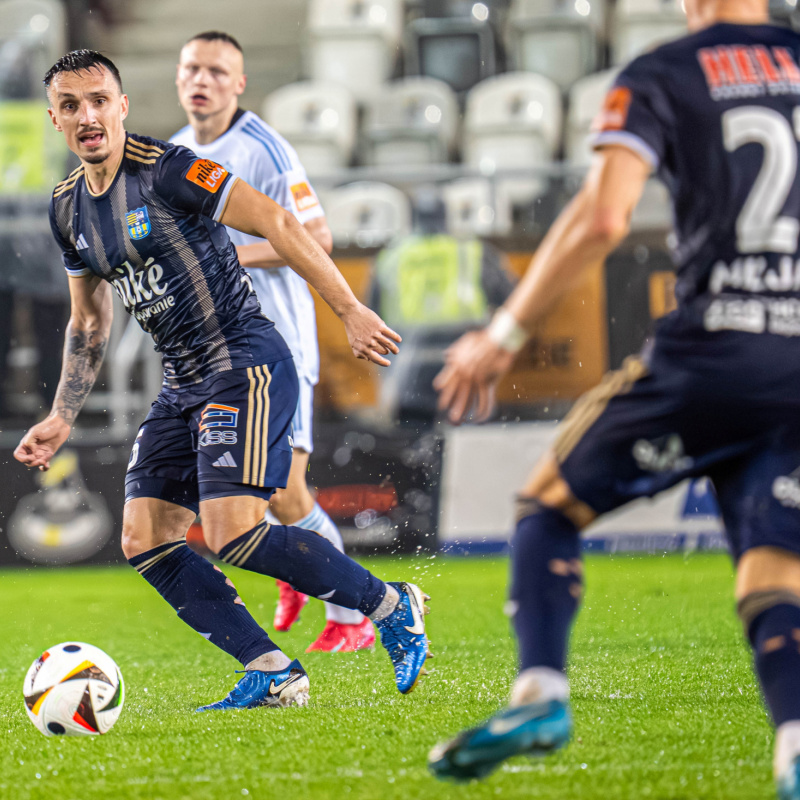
204,598
546,586
775,637
308,562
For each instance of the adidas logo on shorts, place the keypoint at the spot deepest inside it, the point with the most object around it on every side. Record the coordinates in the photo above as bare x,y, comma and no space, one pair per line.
225,460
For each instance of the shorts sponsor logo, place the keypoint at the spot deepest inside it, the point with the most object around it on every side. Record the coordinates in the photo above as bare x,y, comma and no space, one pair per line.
304,198
786,490
138,222
207,174
662,455
215,422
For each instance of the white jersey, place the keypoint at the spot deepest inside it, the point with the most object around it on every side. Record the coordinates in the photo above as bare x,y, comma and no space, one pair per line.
260,156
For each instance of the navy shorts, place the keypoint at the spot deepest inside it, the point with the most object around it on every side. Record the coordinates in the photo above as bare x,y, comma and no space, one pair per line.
729,410
230,435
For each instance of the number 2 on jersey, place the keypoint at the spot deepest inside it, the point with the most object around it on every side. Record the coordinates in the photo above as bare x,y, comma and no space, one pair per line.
759,228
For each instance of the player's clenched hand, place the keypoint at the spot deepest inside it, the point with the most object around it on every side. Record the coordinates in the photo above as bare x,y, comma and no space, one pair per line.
41,442
369,336
473,366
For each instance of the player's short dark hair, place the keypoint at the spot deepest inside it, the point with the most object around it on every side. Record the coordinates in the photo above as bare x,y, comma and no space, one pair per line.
79,60
217,36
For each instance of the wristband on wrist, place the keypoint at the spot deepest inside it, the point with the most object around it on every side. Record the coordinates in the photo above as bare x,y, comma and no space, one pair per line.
506,332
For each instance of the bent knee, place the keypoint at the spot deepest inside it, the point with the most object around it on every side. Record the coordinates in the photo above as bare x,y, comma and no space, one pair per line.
766,569
291,504
547,487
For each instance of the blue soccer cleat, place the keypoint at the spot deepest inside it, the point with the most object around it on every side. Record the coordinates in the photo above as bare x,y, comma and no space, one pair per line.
284,687
789,781
534,729
403,636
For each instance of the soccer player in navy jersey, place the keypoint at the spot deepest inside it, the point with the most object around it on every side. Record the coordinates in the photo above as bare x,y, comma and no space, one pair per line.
148,219
210,81
716,392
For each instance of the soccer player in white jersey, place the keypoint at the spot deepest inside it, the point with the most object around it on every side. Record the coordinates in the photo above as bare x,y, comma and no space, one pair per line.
210,80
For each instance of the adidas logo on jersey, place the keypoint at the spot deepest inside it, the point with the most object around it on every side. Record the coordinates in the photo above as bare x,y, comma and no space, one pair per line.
81,244
225,460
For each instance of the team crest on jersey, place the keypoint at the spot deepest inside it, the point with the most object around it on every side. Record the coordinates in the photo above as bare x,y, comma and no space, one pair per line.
213,417
138,222
304,198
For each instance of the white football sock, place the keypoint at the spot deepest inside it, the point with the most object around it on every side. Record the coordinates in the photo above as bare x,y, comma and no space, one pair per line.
270,662
388,604
539,685
787,746
319,522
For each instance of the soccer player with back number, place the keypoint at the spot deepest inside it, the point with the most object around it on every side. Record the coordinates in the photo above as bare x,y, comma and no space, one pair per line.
148,218
717,390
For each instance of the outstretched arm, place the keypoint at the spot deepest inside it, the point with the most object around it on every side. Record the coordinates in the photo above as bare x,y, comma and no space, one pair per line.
587,230
262,255
84,347
251,212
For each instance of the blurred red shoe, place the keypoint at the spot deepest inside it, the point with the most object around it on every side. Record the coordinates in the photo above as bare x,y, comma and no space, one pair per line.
338,638
290,604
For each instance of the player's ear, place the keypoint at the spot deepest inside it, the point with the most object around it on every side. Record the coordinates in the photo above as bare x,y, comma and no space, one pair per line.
53,119
241,83
124,106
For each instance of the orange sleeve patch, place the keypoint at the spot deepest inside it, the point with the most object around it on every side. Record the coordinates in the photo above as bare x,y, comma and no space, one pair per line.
304,198
207,174
614,113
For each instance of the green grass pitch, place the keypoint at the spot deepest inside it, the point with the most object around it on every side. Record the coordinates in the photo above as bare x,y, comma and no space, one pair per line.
665,702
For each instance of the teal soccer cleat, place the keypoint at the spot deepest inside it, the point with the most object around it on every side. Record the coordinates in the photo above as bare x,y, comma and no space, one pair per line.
789,782
403,636
285,687
533,730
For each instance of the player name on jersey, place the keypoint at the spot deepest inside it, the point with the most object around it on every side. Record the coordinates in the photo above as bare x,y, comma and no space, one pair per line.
733,71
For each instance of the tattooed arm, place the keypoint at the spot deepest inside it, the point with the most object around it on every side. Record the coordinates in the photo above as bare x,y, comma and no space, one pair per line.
84,347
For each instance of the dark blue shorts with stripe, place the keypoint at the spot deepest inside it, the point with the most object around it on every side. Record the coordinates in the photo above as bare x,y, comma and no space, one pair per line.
229,435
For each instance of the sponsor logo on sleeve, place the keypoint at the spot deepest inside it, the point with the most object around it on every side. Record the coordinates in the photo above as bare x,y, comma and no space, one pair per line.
304,198
614,113
207,174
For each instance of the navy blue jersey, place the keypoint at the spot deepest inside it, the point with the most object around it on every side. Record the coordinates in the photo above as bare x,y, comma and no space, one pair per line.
155,235
717,114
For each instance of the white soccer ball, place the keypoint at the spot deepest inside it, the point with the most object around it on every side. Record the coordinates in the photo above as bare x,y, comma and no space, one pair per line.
74,689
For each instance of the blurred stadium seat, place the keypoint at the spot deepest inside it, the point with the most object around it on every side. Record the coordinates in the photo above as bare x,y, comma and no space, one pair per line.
513,122
413,121
555,38
642,24
366,214
32,37
476,207
354,42
319,119
461,52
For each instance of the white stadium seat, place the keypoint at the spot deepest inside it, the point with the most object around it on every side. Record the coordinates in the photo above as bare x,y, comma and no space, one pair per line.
32,38
513,122
366,214
476,207
318,119
354,42
585,101
555,38
413,121
642,24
